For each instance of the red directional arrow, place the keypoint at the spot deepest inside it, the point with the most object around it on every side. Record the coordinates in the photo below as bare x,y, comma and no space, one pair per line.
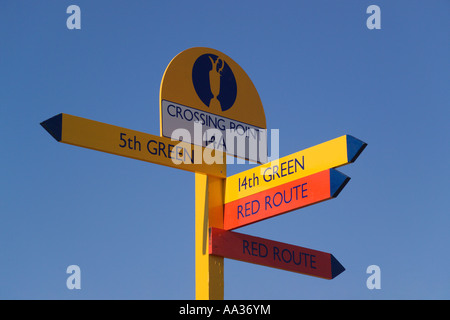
273,254
293,195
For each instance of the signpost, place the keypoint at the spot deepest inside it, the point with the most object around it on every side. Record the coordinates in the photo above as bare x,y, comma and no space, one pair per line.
273,254
208,101
292,195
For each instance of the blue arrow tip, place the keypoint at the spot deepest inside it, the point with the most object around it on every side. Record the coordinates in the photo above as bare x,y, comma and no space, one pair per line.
336,267
54,126
354,148
338,181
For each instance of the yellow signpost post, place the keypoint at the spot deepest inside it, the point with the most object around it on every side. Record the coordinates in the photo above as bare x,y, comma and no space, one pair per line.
209,276
210,102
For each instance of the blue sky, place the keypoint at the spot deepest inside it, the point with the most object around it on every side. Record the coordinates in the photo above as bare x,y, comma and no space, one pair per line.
320,73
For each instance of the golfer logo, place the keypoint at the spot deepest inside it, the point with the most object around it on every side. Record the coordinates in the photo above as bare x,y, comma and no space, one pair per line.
214,82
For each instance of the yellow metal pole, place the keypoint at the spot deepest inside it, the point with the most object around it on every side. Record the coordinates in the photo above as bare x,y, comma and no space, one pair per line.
209,197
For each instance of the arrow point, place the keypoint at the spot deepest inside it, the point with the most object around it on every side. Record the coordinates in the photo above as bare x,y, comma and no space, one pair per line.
354,148
54,126
338,181
336,267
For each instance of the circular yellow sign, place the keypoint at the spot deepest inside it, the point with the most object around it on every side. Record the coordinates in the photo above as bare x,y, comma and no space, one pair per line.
208,80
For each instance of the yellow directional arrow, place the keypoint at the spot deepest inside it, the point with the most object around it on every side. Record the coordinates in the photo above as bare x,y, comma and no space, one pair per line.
331,154
134,144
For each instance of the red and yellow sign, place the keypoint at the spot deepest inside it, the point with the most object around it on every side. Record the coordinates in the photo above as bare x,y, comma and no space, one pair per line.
293,195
